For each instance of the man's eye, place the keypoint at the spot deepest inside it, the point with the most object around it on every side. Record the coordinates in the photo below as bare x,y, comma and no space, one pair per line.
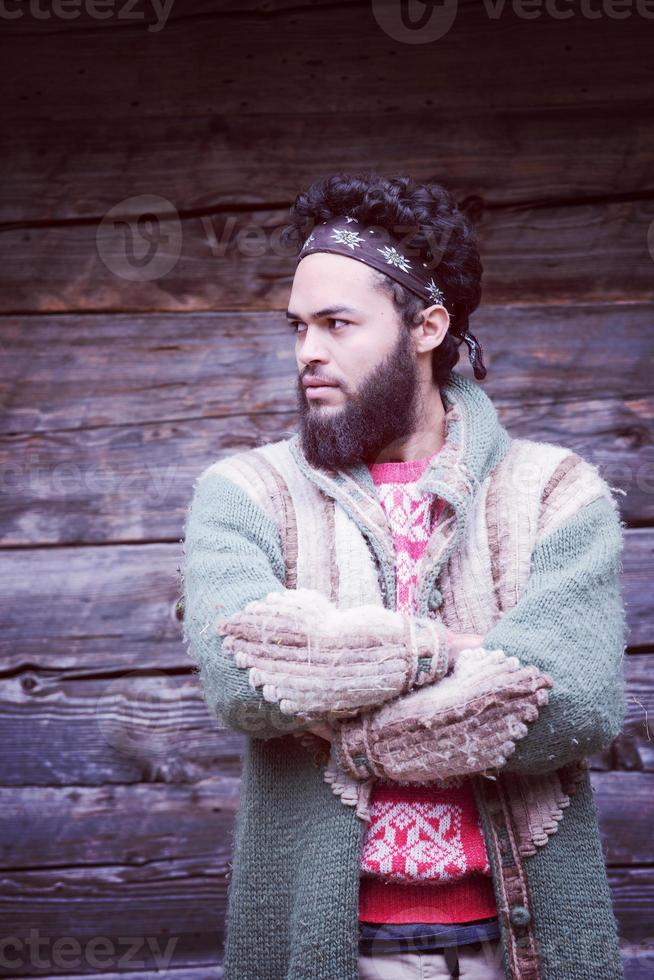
295,325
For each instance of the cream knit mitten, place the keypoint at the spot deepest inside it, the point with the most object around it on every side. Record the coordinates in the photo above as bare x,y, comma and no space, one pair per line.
351,791
467,723
318,661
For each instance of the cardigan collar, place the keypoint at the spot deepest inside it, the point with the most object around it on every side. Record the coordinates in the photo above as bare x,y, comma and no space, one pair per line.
475,442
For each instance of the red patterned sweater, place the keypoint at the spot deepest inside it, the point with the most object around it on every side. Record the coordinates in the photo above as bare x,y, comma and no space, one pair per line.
424,856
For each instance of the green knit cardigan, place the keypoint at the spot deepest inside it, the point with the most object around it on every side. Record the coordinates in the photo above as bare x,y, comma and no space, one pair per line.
293,892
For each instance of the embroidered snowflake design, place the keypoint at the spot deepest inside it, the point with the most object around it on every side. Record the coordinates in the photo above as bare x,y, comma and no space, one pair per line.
345,237
308,241
435,294
349,218
393,257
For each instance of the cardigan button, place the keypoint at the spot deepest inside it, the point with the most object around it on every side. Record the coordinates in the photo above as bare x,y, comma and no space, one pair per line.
520,916
435,599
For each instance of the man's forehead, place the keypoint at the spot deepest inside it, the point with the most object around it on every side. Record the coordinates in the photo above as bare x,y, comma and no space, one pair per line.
324,278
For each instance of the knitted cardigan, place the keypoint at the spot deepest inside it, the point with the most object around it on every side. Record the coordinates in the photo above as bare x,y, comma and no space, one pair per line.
528,555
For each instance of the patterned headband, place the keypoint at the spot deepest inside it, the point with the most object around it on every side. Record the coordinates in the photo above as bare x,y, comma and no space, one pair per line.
377,247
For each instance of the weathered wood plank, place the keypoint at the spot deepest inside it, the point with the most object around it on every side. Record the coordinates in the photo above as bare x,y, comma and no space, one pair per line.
131,483
108,609
80,371
120,868
47,827
157,914
120,463
637,558
160,873
207,971
78,728
113,608
592,252
625,842
554,153
638,959
638,962
323,65
632,890
176,910
93,726
207,365
634,749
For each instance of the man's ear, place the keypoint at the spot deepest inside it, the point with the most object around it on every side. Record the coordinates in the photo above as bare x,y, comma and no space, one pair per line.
432,330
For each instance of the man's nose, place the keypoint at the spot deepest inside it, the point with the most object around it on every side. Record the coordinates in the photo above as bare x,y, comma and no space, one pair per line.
312,347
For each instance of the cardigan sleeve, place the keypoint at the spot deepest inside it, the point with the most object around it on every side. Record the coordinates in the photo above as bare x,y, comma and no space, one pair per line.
232,555
568,625
570,621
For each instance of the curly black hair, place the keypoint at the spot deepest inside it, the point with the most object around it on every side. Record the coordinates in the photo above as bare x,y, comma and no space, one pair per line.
439,230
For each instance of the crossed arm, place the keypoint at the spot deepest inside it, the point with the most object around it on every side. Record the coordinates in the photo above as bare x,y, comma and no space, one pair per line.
399,702
274,660
568,626
324,663
456,643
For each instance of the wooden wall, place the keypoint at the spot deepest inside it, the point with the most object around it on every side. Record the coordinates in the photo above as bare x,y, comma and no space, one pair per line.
122,379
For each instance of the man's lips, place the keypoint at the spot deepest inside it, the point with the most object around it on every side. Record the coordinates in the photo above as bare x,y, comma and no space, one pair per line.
317,383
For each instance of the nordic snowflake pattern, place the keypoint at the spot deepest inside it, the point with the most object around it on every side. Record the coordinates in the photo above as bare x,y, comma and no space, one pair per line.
423,841
345,237
393,257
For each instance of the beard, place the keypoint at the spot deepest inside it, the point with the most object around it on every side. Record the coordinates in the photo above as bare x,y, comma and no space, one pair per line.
382,412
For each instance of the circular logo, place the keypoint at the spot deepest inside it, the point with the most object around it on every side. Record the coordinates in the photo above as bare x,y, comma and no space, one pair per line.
140,238
415,23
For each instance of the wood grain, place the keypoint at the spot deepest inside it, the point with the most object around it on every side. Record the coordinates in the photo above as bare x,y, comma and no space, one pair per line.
106,722
108,420
159,874
233,260
120,379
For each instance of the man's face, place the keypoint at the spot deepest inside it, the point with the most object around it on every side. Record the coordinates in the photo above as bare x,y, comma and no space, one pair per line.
349,334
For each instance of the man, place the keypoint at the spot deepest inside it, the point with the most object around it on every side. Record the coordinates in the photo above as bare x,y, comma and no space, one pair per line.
416,621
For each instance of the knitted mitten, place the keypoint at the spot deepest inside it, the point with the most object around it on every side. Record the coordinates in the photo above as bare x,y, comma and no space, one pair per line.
351,791
444,733
318,661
